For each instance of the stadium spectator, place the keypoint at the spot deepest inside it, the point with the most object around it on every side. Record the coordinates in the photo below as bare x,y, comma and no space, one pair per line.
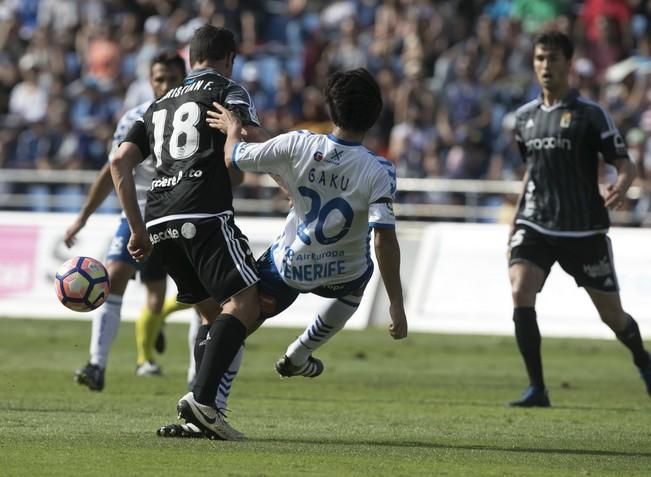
561,215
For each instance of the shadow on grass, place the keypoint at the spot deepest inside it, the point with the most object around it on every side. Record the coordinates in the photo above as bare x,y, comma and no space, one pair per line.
434,445
478,404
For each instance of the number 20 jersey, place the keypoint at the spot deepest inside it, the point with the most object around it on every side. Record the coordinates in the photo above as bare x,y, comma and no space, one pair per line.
339,191
191,177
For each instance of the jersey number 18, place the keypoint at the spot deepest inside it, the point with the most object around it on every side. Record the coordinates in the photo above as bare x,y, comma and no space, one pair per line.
184,122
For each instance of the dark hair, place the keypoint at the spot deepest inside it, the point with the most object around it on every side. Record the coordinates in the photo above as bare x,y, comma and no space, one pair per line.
169,58
555,40
354,99
211,43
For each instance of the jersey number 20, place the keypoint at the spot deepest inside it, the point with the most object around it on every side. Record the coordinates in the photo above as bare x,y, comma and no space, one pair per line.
320,214
184,140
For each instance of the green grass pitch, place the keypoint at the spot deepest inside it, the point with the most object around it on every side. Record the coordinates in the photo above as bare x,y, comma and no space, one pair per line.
431,405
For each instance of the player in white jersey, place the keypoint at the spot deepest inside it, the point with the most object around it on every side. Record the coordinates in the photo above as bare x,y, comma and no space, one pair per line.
340,191
167,71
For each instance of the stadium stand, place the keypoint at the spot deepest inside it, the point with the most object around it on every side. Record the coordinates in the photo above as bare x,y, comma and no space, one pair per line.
451,72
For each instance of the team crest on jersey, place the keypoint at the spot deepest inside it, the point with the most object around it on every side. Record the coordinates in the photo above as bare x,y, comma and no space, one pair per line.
566,119
318,156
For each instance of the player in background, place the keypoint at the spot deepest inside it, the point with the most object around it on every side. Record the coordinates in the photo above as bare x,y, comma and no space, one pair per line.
561,214
339,191
189,215
167,70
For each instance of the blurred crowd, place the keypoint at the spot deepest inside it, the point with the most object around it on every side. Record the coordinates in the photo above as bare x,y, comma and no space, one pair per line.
452,72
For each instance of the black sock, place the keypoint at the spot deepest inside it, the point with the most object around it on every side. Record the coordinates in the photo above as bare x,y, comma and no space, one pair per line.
631,338
527,335
200,346
226,336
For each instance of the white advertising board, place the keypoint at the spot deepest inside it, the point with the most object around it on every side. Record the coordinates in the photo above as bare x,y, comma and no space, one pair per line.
461,285
32,248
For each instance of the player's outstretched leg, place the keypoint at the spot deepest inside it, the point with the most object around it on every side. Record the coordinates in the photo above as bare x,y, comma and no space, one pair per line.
298,359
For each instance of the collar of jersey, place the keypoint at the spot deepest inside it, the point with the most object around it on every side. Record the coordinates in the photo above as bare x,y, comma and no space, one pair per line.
198,71
566,101
343,142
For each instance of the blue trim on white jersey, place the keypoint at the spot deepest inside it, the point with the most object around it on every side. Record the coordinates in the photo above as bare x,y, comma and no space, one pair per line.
233,156
379,225
343,142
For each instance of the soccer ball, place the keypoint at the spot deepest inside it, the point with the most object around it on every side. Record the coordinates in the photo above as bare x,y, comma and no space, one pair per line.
82,284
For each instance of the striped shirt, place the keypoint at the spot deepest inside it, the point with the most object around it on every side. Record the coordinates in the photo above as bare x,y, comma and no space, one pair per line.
561,145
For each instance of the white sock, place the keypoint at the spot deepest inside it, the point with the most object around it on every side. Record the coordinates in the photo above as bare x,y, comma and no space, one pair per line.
195,324
106,322
331,318
224,389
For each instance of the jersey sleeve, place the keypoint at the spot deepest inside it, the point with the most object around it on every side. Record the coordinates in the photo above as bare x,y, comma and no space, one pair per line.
138,136
611,142
273,156
238,99
380,211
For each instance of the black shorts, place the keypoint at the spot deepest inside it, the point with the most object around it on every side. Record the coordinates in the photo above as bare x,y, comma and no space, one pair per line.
205,257
152,270
588,259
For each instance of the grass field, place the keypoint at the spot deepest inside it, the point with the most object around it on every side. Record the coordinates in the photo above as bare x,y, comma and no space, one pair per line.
429,405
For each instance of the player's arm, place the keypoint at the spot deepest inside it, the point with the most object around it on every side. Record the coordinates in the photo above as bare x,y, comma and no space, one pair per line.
131,153
272,156
614,151
99,190
387,252
616,193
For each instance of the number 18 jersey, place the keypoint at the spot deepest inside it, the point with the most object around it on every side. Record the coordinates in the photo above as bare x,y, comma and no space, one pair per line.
191,177
339,191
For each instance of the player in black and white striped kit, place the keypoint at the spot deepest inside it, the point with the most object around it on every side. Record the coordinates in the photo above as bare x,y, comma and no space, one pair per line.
562,216
189,214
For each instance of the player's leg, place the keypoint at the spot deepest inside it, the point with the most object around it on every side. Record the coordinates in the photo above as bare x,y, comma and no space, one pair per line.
595,271
328,321
223,264
169,306
625,328
106,319
193,333
529,264
147,327
150,321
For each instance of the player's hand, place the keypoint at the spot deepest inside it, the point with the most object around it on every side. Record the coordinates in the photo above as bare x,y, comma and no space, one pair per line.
615,197
70,236
222,119
398,327
139,245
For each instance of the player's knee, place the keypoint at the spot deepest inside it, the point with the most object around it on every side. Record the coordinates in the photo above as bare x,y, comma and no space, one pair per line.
245,307
523,294
119,275
613,316
155,302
